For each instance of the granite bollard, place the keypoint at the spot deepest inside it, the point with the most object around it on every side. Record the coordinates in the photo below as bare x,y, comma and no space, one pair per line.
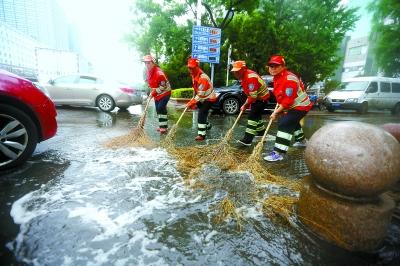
352,164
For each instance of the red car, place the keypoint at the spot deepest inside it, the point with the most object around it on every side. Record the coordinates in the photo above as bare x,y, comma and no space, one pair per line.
27,117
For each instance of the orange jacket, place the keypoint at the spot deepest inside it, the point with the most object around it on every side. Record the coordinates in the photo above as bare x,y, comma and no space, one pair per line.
203,88
254,87
290,93
157,81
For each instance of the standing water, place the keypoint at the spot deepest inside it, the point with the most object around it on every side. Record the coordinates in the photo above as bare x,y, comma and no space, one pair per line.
131,206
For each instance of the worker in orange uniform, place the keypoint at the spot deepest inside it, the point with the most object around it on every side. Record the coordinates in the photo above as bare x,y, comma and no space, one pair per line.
294,104
257,97
160,91
204,97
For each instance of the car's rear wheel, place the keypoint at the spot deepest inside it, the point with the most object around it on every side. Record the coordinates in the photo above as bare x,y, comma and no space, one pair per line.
105,103
18,136
231,106
396,109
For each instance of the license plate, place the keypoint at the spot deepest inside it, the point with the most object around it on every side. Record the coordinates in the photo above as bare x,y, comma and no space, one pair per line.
336,104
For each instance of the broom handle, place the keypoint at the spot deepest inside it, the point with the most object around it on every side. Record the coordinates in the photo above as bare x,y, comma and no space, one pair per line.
141,122
237,119
269,125
177,122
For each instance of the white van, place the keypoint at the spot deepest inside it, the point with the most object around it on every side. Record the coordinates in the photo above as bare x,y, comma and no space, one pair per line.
365,93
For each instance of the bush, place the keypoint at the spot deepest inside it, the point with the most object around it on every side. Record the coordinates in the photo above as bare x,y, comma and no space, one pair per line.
182,93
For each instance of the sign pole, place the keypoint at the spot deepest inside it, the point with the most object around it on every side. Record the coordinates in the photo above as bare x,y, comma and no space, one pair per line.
198,14
228,62
212,74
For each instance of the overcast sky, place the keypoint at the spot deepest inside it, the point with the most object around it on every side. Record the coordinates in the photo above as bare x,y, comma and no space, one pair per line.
102,25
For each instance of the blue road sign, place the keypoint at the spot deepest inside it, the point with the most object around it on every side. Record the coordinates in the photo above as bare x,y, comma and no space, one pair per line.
206,44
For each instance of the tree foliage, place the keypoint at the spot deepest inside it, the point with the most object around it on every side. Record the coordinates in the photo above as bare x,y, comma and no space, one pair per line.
307,32
386,35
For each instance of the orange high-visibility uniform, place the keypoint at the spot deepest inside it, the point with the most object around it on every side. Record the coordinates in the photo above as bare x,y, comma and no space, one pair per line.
254,87
290,93
157,81
203,88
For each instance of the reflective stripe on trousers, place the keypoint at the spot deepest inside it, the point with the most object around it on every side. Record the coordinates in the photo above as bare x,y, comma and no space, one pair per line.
255,127
287,126
163,121
299,135
201,129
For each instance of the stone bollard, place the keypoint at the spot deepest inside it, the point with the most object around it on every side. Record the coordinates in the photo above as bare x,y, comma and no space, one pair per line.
394,129
351,164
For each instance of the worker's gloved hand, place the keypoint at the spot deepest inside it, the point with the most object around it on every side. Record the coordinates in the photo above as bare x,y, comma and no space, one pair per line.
191,104
244,107
154,94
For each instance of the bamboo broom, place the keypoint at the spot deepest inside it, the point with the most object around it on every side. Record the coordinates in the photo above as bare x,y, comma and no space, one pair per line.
222,154
168,141
136,137
253,164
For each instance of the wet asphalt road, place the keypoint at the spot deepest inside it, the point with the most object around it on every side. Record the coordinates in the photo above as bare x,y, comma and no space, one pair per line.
80,132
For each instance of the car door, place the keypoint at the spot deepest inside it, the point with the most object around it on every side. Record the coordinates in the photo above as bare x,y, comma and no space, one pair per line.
371,95
61,89
384,96
86,90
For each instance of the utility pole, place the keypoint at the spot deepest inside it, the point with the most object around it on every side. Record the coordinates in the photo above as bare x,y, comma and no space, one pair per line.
228,62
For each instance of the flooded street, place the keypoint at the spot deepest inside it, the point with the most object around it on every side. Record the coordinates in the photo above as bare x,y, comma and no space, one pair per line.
78,203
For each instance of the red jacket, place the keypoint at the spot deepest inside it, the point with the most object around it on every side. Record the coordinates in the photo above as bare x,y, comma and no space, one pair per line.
203,88
254,87
290,93
157,81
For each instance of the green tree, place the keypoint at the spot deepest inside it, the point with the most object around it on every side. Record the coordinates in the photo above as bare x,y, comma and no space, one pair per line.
331,85
386,35
161,35
306,32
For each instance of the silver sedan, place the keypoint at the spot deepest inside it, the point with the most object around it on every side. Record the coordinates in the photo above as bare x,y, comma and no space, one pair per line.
87,90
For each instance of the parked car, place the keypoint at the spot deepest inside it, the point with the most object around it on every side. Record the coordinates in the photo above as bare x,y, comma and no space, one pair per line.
364,93
88,90
231,98
39,86
27,116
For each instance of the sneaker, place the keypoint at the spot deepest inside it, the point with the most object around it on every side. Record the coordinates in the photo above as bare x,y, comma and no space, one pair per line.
200,138
300,144
274,156
245,142
162,130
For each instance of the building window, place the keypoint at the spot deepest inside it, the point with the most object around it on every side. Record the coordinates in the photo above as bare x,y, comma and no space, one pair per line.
355,50
358,50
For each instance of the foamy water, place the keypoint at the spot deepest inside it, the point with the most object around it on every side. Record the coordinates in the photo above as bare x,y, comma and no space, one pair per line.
132,207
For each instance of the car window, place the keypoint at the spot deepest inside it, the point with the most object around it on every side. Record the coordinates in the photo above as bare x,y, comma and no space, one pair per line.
373,87
64,80
396,87
385,87
87,80
355,86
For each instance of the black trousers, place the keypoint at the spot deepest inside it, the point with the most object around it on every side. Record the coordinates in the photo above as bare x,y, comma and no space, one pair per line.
204,108
161,105
288,125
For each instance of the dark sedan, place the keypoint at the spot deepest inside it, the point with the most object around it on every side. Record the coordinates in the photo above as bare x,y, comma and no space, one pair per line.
232,97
